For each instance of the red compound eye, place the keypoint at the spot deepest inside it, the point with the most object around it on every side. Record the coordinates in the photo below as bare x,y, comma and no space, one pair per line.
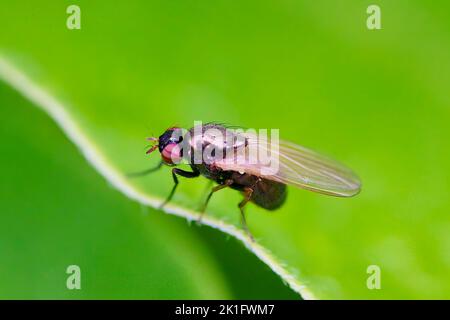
171,154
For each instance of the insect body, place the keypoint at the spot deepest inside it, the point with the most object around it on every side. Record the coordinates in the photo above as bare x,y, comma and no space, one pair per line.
225,158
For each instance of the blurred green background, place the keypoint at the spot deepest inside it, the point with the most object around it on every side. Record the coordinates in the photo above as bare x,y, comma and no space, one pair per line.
378,100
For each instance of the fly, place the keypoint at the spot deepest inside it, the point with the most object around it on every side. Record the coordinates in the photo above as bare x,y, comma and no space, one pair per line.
259,183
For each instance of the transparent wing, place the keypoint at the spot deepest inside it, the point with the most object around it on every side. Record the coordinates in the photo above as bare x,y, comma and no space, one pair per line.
289,163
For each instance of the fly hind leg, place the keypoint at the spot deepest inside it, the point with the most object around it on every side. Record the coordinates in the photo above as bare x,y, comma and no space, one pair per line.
247,196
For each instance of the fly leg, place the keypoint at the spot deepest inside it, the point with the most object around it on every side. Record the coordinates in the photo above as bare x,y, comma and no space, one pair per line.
207,187
227,183
248,192
175,172
143,173
247,196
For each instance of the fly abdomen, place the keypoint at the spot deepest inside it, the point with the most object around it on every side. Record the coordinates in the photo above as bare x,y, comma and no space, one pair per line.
269,194
266,193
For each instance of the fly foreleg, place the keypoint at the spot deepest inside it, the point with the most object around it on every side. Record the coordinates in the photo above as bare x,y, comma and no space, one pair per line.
143,173
175,172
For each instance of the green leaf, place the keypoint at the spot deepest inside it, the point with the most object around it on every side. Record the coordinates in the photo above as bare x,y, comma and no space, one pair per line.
57,211
377,100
